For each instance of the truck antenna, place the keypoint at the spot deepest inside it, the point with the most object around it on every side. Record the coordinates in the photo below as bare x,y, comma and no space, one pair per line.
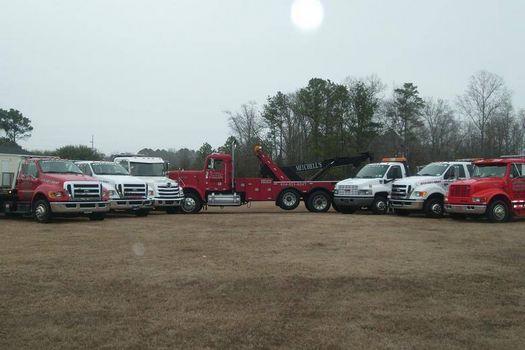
92,142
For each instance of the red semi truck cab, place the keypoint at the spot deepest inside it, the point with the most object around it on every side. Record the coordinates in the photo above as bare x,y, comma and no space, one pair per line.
46,186
216,184
496,189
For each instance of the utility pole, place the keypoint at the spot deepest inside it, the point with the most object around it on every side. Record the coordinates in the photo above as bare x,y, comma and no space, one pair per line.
92,142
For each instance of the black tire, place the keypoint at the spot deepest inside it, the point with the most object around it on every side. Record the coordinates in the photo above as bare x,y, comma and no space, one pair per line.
42,211
319,202
97,216
434,208
344,209
191,204
498,211
289,199
379,205
456,216
141,212
399,212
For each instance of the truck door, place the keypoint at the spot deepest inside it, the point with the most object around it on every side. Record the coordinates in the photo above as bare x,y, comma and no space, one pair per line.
517,178
215,175
453,173
27,181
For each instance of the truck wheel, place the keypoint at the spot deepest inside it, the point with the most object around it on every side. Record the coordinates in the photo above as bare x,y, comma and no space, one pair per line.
142,212
191,204
344,209
97,216
380,205
399,212
319,202
498,211
42,211
289,199
434,208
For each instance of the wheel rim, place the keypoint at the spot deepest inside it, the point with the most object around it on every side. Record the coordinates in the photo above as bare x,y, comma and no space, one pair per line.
437,209
381,205
320,202
289,199
189,204
499,212
40,211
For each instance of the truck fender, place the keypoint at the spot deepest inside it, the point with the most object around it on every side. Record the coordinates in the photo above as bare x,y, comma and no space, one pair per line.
195,191
492,194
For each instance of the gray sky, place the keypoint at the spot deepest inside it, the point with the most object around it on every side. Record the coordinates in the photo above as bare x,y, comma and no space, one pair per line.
161,73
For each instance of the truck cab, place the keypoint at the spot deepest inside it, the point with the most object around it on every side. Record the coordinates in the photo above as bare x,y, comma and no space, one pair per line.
47,186
166,194
126,193
496,190
426,191
370,187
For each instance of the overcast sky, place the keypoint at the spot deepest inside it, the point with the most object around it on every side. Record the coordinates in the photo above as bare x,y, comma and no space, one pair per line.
161,73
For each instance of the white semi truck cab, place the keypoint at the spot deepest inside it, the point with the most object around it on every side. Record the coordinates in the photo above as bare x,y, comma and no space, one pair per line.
426,190
370,187
126,193
165,193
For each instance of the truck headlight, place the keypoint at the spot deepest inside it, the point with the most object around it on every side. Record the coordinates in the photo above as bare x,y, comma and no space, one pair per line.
478,199
55,194
335,191
420,194
364,192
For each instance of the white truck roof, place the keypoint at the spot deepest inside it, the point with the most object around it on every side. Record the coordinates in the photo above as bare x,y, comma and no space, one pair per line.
141,159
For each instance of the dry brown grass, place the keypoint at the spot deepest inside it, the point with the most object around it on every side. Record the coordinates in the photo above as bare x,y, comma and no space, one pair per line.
261,278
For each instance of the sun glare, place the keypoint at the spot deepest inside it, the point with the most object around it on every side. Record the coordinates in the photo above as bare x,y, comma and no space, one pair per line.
307,14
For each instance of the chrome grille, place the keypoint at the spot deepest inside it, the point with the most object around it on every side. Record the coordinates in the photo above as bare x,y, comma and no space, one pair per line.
348,190
134,190
84,191
400,191
169,192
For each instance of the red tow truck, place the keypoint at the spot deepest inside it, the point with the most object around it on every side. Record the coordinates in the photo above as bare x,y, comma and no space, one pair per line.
48,186
216,184
496,190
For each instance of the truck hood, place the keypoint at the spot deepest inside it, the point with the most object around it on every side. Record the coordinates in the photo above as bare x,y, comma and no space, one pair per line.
157,180
116,179
480,184
358,182
418,180
61,178
181,175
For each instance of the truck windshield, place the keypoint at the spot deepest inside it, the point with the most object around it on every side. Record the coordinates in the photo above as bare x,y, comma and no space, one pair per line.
146,169
59,167
372,171
434,169
490,170
109,169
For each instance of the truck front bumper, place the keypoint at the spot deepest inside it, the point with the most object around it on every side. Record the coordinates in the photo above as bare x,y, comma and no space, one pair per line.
355,202
79,207
407,204
172,202
466,208
130,204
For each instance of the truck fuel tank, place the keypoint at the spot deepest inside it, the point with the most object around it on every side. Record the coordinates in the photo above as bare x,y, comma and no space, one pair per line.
221,199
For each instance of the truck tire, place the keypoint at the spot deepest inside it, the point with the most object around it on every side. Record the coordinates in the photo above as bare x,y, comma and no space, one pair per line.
319,202
399,212
379,205
191,204
434,208
344,209
498,211
289,199
42,211
97,216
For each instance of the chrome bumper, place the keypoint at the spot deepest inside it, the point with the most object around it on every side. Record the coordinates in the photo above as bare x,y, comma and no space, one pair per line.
79,207
130,204
357,202
407,204
175,202
465,208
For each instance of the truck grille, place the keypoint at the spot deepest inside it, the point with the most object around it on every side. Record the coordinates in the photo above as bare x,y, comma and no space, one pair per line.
84,191
459,191
348,190
400,191
134,190
166,192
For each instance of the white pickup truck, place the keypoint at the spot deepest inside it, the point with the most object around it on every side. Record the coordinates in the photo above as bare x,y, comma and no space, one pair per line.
126,193
165,192
426,190
370,187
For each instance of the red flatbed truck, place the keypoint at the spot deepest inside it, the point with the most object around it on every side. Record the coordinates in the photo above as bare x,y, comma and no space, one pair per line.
216,184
